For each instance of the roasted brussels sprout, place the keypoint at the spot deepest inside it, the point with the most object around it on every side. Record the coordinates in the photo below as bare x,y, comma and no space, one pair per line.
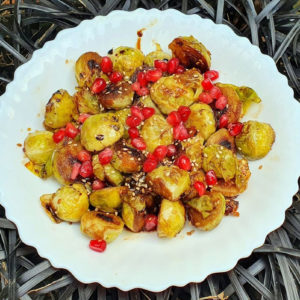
117,96
98,169
169,182
146,101
101,226
169,93
192,192
100,131
37,170
191,53
207,211
69,203
256,140
156,55
127,159
108,199
39,146
202,118
87,102
247,96
133,211
127,59
113,176
221,160
171,218
156,131
63,161
222,138
60,110
87,68
122,116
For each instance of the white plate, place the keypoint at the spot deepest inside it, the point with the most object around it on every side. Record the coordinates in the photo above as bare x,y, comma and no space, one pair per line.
142,260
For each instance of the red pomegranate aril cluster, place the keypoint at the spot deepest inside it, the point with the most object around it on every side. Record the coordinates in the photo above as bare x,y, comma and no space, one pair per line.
97,245
59,135
133,121
211,178
148,112
223,121
172,65
212,75
235,129
207,84
153,75
105,156
174,118
161,64
221,103
138,143
215,92
180,70
180,132
200,187
183,162
82,118
206,98
84,155
150,222
133,132
86,169
115,77
75,170
160,152
97,185
171,150
141,79
184,112
71,131
106,65
149,164
98,86
137,112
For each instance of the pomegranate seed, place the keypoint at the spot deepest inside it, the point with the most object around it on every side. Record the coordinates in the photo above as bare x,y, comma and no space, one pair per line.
71,131
148,112
211,178
133,132
221,103
106,64
207,84
75,171
136,86
149,165
215,92
235,128
97,185
143,91
211,74
206,98
115,77
183,162
99,85
84,155
174,118
180,132
150,222
136,111
184,112
171,150
153,75
97,245
200,187
86,169
138,143
141,78
160,152
133,121
59,135
160,64
180,70
83,117
172,65
151,156
105,156
223,121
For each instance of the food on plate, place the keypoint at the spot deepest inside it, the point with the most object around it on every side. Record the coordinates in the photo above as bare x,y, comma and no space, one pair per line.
146,142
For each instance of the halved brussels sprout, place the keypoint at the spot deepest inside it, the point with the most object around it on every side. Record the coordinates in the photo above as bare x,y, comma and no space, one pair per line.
39,146
100,131
169,93
69,203
202,118
247,96
156,55
156,131
146,101
221,160
101,226
113,176
122,116
222,138
108,199
169,182
98,169
192,192
63,161
60,110
191,53
87,68
171,218
87,102
117,96
37,170
127,59
256,140
207,211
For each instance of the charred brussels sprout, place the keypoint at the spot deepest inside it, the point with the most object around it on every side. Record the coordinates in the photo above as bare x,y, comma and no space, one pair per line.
69,203
221,160
126,60
98,169
113,176
202,118
222,138
171,218
156,55
39,146
207,211
60,110
191,53
100,131
101,226
169,182
87,102
256,140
